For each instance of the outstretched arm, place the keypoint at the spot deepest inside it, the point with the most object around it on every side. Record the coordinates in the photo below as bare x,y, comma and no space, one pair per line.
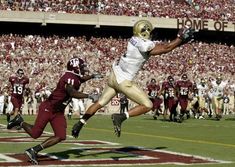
74,93
87,77
93,76
79,95
184,34
165,48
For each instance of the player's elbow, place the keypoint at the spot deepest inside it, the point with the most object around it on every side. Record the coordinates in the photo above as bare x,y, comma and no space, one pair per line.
148,104
70,91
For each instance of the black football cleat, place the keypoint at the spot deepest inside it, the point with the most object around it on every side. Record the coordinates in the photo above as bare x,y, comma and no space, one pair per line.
15,122
218,117
32,155
76,129
117,122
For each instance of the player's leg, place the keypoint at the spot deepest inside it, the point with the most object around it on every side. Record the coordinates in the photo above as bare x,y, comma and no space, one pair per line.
220,108
137,95
156,108
216,106
58,124
106,96
202,107
122,108
15,107
75,109
81,107
40,123
173,106
17,104
108,93
166,109
183,106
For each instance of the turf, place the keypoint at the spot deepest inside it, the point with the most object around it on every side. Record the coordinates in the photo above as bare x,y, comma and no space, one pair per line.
206,138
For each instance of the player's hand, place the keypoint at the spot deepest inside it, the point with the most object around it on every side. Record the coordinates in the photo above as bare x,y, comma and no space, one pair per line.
97,76
185,33
94,97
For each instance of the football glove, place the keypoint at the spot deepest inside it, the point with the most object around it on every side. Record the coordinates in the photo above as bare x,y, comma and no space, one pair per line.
185,33
97,76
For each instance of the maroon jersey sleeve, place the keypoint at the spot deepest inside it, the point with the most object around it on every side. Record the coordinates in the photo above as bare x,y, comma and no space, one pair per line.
11,79
59,98
26,81
190,85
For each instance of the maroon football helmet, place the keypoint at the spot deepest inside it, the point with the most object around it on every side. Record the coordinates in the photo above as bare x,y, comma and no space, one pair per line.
77,65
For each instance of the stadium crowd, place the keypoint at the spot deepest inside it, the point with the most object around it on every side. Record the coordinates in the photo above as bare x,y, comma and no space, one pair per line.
43,58
204,9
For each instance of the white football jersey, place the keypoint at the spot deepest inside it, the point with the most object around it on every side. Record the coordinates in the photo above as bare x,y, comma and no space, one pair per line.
202,90
136,55
218,90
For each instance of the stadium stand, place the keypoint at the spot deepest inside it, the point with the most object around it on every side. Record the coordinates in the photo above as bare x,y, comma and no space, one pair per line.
210,9
42,56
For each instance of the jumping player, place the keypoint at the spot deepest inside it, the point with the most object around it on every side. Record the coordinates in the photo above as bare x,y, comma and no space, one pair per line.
139,49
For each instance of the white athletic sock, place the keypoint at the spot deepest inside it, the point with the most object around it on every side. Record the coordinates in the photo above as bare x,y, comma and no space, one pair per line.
83,121
127,114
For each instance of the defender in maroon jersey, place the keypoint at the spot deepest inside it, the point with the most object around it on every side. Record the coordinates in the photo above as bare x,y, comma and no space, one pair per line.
170,100
184,88
153,93
19,84
52,110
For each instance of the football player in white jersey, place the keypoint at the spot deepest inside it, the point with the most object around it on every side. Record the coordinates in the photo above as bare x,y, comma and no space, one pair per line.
232,87
218,87
139,49
202,95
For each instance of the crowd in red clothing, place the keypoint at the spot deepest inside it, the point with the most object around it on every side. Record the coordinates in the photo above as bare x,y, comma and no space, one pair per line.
205,9
43,58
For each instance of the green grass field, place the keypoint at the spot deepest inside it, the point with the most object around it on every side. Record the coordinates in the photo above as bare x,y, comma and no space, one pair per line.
204,138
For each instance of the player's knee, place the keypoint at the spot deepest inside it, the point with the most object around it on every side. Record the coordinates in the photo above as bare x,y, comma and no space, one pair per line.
61,137
35,135
148,104
102,102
